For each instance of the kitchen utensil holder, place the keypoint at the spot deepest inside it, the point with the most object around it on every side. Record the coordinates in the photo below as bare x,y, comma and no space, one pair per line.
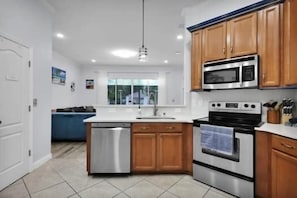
273,116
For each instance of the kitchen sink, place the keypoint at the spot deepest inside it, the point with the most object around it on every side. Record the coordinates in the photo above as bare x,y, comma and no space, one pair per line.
155,117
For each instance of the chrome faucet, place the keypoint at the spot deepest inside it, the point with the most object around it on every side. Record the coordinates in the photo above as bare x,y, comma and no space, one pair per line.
155,110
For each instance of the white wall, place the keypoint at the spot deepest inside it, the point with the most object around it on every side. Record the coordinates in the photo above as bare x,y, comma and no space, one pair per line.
30,23
98,96
199,100
209,9
62,96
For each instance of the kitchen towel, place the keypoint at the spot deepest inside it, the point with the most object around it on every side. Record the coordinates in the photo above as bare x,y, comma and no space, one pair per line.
217,138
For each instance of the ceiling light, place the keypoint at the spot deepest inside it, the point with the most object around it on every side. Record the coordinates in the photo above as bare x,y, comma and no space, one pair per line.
142,57
166,61
60,35
124,53
93,61
180,37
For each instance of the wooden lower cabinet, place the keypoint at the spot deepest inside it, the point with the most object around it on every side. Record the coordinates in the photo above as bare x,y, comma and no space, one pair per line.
144,152
161,147
284,175
276,166
170,155
263,164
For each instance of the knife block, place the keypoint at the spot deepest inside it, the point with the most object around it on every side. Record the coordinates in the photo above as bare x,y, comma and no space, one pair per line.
273,116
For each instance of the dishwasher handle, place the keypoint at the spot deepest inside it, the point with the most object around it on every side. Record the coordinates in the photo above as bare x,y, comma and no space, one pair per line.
110,125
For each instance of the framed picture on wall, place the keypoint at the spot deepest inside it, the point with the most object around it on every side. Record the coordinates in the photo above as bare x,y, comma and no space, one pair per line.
58,76
89,84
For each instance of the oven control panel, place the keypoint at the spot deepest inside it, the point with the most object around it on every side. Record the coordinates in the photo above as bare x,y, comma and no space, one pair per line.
238,107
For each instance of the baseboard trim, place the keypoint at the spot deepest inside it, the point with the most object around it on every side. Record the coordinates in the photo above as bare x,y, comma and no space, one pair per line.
41,161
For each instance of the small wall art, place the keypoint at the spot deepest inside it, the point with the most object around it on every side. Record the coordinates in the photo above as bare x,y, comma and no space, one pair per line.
89,84
58,76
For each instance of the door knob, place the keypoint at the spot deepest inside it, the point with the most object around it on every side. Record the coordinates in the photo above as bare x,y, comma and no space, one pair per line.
0,122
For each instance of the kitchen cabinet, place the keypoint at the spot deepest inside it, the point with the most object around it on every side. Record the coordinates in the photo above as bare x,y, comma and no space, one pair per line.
170,151
284,167
237,37
290,42
269,46
196,66
277,44
159,147
144,151
276,166
263,165
214,42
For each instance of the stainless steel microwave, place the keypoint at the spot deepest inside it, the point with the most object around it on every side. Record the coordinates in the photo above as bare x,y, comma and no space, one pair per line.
233,73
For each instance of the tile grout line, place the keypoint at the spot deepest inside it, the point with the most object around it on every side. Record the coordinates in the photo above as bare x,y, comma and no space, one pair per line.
26,187
124,191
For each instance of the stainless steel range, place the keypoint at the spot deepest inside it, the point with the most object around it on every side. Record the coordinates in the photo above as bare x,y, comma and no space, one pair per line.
223,154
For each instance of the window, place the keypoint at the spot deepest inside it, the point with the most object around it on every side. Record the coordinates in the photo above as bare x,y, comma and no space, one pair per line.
132,91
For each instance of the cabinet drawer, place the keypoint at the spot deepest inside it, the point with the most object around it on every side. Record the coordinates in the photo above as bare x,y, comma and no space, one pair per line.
144,127
170,127
157,127
285,145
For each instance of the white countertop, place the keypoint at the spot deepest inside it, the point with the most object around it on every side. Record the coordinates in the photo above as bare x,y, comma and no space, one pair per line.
183,119
279,129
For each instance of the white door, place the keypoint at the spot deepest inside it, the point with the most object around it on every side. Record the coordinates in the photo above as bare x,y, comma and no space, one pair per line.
14,112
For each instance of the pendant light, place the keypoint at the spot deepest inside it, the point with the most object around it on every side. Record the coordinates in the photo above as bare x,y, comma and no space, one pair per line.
142,57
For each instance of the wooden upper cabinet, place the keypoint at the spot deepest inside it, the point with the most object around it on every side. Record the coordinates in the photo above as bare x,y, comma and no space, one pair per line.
214,42
196,59
290,42
269,46
237,37
242,36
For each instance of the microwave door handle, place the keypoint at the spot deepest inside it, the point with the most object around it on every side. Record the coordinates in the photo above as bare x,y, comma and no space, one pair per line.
240,75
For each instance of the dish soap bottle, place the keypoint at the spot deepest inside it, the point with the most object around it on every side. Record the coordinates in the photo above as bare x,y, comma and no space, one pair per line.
139,113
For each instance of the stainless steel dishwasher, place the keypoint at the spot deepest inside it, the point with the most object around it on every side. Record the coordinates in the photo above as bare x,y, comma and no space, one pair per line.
110,148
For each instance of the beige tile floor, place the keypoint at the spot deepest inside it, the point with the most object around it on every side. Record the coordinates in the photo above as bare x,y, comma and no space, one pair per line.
65,176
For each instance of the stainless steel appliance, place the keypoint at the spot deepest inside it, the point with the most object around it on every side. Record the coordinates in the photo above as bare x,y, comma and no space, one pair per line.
232,73
110,148
232,173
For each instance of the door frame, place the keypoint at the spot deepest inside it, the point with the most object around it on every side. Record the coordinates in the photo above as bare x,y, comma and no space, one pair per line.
29,80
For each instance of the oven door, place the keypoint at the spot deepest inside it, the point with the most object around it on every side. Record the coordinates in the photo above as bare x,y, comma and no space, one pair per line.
240,163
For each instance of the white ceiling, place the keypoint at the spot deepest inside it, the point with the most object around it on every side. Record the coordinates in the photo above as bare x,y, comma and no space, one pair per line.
93,28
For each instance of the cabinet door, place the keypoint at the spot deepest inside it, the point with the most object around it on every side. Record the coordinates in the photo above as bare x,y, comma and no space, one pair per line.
290,42
196,60
170,151
284,174
263,161
144,152
242,33
214,42
269,46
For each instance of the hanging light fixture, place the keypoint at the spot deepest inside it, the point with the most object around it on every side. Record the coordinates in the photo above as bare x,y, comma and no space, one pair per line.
142,57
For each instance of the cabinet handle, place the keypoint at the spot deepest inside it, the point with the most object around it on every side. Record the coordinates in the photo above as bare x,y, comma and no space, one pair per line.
263,77
170,128
224,50
287,145
231,49
143,128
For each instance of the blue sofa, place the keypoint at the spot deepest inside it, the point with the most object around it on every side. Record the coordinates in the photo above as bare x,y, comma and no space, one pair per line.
69,126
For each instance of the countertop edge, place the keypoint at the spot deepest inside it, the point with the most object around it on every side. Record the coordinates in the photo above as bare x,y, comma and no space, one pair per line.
134,120
279,129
